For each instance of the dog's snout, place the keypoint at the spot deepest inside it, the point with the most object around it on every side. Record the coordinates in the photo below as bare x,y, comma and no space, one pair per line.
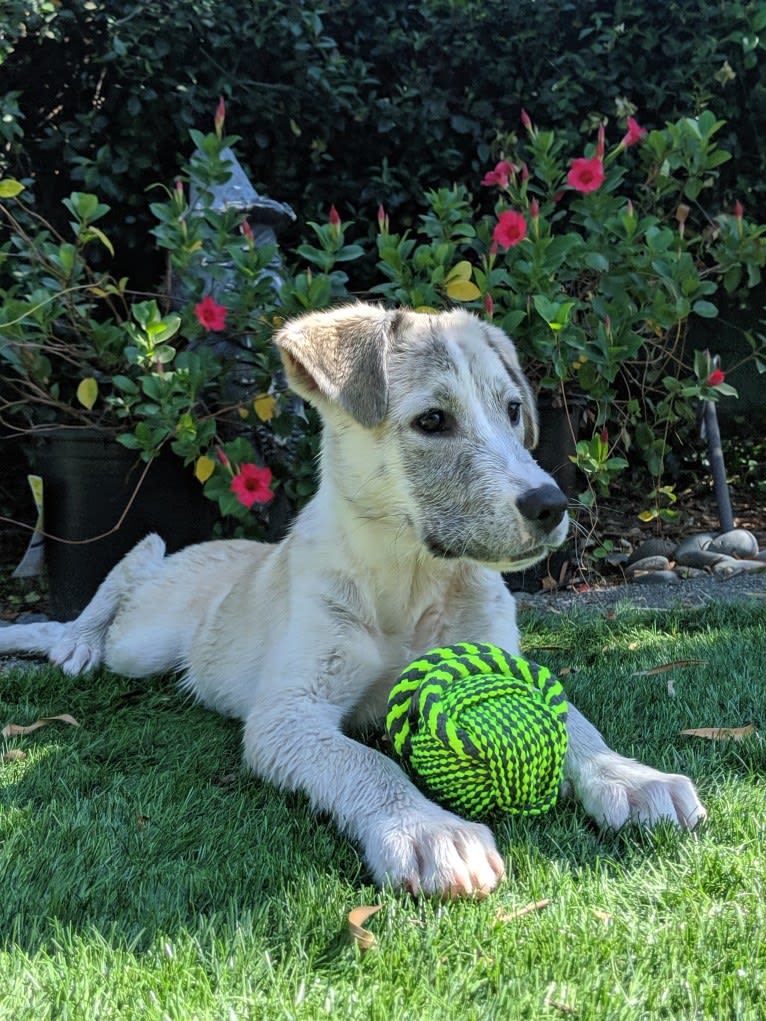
544,506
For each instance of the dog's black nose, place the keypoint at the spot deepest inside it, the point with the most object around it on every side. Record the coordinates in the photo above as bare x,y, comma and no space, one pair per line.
544,506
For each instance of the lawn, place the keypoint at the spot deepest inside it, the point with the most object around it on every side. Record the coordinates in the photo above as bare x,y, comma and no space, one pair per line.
145,875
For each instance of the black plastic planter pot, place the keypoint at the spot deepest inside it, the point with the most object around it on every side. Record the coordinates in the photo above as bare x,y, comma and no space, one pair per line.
88,481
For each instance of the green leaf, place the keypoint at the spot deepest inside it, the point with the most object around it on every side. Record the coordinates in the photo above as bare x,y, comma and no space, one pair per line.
705,309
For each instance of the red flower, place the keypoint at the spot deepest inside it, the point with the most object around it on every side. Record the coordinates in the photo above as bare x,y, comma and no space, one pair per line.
525,119
334,217
586,175
634,134
499,176
210,314
489,305
534,209
247,230
716,377
251,485
739,210
510,228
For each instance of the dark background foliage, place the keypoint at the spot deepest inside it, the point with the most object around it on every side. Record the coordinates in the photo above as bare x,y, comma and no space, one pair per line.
359,101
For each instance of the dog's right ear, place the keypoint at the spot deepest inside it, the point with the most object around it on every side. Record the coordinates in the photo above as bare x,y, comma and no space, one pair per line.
339,356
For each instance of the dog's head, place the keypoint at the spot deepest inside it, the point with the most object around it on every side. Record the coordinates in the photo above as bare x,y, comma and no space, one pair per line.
430,422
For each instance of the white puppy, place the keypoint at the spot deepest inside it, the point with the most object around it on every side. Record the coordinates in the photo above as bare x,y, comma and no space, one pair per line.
428,491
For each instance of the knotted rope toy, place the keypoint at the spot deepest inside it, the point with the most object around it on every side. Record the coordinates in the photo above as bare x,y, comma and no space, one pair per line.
481,730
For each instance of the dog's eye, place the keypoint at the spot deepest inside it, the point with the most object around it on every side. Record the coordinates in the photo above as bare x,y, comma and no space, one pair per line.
514,412
433,421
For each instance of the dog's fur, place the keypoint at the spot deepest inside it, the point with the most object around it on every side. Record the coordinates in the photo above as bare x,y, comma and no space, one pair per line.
428,490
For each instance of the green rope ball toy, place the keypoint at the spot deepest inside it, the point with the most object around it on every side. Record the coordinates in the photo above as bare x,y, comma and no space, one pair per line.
483,731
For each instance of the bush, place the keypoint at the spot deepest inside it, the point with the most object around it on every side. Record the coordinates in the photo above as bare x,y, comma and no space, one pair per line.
362,102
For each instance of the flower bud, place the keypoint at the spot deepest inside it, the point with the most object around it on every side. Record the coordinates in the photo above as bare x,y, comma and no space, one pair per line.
220,117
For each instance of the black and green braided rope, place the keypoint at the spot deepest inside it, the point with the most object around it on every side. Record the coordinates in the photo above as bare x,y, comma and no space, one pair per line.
484,731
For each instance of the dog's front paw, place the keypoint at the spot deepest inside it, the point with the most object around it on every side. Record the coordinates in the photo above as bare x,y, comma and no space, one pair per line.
76,655
439,854
615,790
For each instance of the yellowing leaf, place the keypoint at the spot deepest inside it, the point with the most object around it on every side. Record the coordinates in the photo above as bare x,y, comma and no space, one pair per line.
204,468
363,938
87,392
461,271
646,516
10,188
463,290
264,406
721,733
94,232
425,309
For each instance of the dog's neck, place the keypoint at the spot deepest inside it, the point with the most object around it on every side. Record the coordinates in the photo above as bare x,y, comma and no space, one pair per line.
363,526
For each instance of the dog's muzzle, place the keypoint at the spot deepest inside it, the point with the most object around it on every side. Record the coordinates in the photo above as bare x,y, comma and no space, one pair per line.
543,507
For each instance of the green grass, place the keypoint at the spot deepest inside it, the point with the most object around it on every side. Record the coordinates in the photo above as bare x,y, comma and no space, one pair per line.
144,874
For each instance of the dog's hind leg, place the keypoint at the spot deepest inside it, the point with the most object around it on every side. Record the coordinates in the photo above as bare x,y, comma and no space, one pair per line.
78,645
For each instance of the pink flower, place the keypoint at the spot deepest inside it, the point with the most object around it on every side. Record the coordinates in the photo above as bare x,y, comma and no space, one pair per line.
634,134
247,230
499,176
210,314
220,453
489,305
510,228
586,175
739,210
525,119
534,209
716,377
334,217
601,142
251,485
220,117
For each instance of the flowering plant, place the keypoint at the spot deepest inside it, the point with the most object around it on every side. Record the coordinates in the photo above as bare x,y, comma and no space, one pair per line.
599,265
191,368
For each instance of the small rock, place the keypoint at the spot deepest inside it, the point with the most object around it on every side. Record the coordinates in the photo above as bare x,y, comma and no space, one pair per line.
736,543
730,567
664,577
694,543
690,572
652,548
699,558
654,563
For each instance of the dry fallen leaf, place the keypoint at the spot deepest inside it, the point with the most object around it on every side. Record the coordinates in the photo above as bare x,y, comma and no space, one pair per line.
13,755
510,916
675,665
363,938
721,733
558,1004
16,729
603,916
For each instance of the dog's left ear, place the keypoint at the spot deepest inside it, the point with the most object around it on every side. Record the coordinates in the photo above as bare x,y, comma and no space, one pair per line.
507,353
339,356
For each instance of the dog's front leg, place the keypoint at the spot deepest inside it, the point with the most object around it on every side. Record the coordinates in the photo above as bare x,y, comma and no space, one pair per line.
296,742
614,789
